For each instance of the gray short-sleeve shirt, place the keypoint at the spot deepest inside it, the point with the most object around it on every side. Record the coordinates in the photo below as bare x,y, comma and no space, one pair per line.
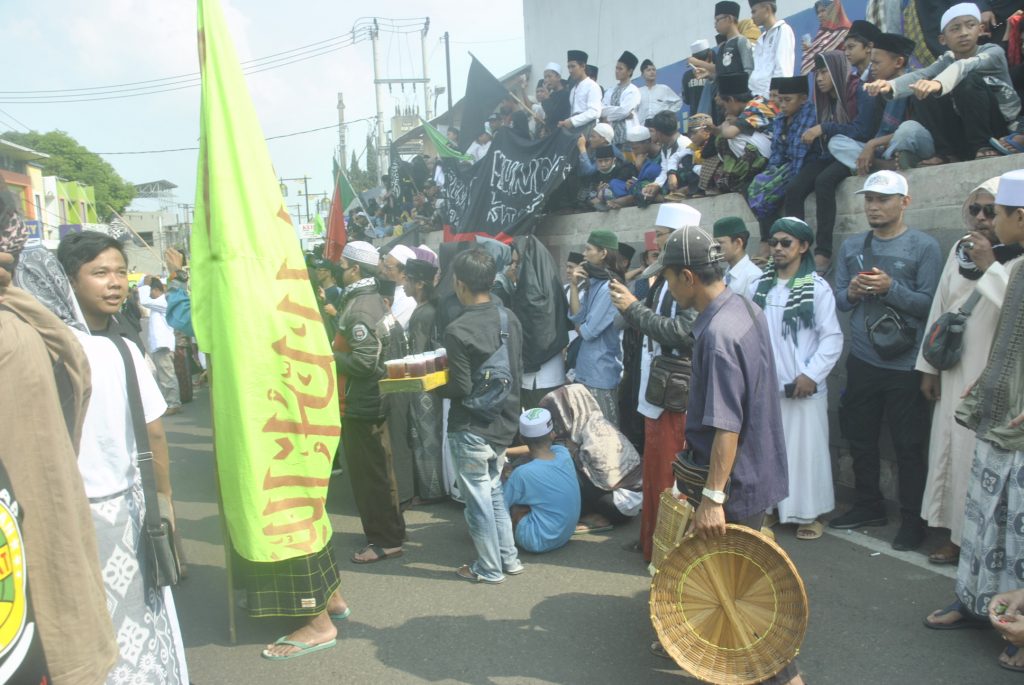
734,388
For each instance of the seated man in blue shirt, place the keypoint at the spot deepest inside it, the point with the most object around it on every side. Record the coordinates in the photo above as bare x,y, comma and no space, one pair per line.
543,495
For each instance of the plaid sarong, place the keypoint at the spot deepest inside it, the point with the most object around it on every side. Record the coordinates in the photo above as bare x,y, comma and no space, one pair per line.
293,587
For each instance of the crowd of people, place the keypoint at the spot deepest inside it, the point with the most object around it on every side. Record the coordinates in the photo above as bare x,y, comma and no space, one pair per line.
578,393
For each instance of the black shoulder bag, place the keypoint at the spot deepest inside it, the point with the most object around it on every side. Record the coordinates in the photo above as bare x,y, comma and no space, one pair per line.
944,344
668,383
888,332
157,540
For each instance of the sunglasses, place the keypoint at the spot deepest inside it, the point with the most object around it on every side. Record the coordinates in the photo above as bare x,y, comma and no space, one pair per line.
989,210
785,242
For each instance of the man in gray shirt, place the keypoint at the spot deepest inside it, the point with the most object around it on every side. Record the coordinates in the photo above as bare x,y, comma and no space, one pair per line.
892,271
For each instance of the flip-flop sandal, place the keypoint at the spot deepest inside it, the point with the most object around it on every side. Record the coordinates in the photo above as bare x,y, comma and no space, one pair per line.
342,615
584,529
986,152
466,573
965,620
944,556
1006,145
1010,651
379,551
304,648
810,531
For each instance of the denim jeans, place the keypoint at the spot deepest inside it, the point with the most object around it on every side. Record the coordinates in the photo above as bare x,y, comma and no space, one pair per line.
476,466
910,136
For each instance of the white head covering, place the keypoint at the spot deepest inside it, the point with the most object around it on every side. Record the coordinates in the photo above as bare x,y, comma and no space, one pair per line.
638,134
675,215
555,67
699,46
402,253
1011,189
535,423
361,252
964,9
605,131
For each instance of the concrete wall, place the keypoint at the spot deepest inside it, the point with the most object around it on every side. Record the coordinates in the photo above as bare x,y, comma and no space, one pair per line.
937,196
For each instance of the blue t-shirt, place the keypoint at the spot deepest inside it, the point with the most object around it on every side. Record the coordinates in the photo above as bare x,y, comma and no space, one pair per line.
550,489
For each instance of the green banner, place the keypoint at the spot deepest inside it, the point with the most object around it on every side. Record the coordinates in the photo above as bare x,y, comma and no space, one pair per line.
274,384
442,144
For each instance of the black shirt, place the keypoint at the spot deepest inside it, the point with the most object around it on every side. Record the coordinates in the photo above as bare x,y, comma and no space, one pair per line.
692,88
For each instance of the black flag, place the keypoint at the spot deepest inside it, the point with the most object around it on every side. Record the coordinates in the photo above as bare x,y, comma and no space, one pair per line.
483,94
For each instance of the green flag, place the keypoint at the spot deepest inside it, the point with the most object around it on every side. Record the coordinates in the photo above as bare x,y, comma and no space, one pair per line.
440,141
273,379
318,225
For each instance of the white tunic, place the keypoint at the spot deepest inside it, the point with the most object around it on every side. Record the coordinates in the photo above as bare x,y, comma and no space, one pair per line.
625,111
774,55
740,277
660,98
805,421
951,446
585,103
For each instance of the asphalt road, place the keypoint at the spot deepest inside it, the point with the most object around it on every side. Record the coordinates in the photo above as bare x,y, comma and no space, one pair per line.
577,615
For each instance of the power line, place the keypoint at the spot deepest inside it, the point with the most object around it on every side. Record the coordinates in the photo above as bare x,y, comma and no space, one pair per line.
11,117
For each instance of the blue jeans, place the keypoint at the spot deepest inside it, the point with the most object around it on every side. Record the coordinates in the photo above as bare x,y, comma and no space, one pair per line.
476,465
910,136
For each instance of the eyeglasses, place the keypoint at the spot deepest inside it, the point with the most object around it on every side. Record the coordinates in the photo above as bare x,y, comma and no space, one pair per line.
785,242
989,210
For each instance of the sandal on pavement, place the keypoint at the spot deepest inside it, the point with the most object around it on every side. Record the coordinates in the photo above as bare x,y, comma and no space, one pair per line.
466,573
588,529
342,615
948,554
381,555
304,648
1006,145
965,620
1010,652
810,531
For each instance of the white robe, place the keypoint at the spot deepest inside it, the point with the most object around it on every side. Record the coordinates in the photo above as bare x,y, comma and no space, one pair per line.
805,421
742,276
585,103
951,446
660,98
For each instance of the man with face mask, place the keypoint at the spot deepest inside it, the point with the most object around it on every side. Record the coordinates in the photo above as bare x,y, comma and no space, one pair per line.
951,446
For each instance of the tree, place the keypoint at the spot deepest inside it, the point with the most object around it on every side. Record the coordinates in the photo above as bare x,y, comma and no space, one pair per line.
72,161
371,161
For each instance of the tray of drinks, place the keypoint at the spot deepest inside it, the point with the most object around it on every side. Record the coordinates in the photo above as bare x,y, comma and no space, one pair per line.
415,373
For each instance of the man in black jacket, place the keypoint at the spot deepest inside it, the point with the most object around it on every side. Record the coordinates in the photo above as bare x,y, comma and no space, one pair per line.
478,444
358,354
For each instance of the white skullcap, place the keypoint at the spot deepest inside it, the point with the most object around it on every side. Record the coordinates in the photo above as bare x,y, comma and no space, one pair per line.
535,423
676,215
1011,189
555,67
605,131
964,9
699,46
402,253
638,134
362,252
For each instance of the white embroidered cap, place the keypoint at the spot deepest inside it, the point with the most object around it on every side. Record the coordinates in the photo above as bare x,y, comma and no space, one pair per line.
964,9
362,252
1011,189
535,423
402,253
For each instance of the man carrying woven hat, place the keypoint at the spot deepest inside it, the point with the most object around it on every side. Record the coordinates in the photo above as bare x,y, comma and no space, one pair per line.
358,357
733,422
807,343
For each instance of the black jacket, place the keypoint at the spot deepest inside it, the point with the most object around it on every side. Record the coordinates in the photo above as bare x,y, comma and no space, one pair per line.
360,358
469,340
539,303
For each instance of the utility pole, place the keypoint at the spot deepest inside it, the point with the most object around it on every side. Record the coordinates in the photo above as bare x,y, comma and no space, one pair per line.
448,67
428,114
341,130
379,87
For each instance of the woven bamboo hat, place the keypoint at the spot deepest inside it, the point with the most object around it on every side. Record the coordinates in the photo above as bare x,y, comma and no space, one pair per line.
731,610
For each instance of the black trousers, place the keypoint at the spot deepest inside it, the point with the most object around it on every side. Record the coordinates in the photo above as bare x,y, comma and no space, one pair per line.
594,500
372,472
873,394
962,121
820,177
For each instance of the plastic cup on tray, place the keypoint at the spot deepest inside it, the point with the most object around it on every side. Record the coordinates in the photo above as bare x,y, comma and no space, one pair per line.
417,366
396,368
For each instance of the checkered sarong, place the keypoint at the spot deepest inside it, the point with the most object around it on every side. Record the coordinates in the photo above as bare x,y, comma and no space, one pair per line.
294,587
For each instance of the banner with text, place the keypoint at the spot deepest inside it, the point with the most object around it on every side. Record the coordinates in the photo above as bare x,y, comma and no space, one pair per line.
499,195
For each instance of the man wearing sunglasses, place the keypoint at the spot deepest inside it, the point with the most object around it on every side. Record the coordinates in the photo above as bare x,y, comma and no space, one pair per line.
886,279
951,447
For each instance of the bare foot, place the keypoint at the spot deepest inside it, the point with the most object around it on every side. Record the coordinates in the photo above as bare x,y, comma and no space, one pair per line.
938,618
821,263
336,604
1014,660
986,152
367,555
319,630
932,161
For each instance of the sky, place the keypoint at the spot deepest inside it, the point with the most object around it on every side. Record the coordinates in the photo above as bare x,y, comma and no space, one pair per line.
68,44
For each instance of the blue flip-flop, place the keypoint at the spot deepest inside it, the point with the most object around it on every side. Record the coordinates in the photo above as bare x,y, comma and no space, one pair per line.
1006,145
966,620
304,648
341,616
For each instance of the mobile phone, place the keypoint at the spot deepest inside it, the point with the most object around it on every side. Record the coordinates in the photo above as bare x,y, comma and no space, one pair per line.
865,273
790,388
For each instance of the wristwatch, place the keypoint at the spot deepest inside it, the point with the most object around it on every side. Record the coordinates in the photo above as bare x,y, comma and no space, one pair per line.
716,496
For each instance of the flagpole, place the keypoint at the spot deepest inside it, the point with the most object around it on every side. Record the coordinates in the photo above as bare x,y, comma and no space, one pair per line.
225,533
514,96
129,227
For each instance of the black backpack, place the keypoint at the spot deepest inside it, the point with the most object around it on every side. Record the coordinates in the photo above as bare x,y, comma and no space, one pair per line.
492,382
